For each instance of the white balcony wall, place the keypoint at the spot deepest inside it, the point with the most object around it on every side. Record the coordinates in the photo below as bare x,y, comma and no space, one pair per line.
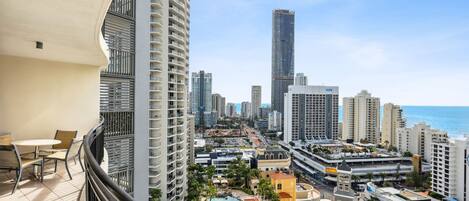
51,53
37,97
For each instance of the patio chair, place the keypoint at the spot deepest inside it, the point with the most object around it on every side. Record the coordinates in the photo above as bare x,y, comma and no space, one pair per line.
6,139
10,159
71,153
66,138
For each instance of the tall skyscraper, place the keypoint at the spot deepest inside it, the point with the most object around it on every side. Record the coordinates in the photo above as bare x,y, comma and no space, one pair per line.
275,121
256,100
283,33
450,168
202,99
311,113
218,105
301,79
230,110
162,80
361,118
223,106
392,120
418,139
246,110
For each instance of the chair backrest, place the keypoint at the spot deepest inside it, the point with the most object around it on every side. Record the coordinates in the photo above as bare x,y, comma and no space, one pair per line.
66,137
74,149
5,139
9,156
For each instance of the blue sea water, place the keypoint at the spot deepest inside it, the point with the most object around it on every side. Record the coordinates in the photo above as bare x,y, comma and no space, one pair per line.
454,120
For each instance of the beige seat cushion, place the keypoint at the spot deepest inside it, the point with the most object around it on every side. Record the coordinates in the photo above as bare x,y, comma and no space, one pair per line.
25,162
46,152
57,155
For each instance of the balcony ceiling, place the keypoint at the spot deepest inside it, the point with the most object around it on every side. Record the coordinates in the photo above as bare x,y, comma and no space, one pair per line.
70,30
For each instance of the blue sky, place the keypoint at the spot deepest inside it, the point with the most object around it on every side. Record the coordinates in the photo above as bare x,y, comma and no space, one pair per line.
409,52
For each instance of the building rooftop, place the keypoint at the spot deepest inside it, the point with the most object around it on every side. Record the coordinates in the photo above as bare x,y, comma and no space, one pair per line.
280,175
273,154
411,195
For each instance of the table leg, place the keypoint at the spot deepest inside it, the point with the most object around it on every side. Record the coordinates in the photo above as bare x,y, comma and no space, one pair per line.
36,154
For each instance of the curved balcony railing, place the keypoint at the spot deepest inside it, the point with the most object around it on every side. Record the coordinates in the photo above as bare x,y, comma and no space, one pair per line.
98,185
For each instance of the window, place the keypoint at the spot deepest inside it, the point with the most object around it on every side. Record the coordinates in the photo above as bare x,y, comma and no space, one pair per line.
279,186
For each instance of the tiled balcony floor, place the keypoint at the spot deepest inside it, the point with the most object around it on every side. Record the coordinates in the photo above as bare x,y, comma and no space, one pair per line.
56,186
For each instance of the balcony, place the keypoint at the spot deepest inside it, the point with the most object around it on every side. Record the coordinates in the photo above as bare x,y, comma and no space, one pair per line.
84,185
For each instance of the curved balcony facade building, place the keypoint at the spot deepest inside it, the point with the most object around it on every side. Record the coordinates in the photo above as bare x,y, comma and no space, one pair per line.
161,98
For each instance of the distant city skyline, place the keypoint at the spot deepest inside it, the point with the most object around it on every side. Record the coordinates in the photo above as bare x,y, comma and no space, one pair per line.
412,56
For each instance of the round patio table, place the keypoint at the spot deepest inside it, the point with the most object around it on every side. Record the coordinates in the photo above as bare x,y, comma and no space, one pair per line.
36,143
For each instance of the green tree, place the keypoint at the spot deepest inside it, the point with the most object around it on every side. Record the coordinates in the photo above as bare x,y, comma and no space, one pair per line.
387,184
240,172
383,177
196,182
219,141
266,190
210,191
210,172
415,179
398,172
407,154
208,148
369,176
298,175
355,179
155,194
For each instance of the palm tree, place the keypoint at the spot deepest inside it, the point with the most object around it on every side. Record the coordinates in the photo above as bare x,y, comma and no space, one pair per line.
398,172
210,171
238,170
355,179
383,177
210,191
266,190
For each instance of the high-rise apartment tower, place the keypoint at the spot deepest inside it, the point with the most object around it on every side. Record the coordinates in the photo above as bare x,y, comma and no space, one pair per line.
392,120
162,79
301,79
202,99
311,113
256,100
361,118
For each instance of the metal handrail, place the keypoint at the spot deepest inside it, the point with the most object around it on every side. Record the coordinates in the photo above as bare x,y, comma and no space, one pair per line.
98,185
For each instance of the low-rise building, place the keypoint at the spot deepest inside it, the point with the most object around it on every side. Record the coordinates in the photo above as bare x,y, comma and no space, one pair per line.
273,159
221,158
306,192
373,192
284,184
321,161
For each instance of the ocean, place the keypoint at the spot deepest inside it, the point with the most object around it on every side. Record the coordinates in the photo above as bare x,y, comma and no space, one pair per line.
454,120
